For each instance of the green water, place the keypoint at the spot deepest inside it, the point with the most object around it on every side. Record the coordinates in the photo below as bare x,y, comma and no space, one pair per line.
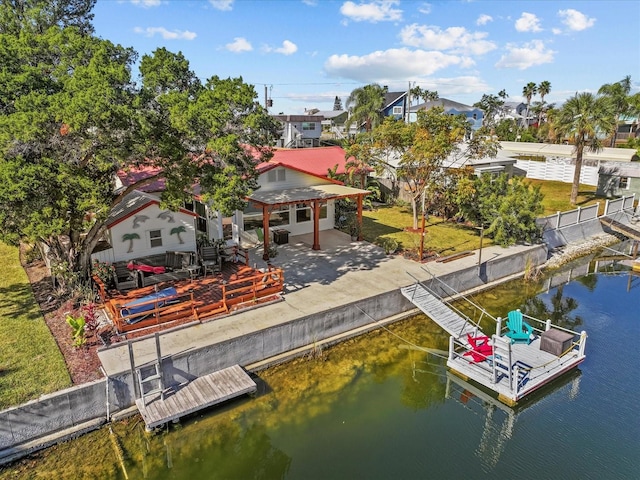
377,407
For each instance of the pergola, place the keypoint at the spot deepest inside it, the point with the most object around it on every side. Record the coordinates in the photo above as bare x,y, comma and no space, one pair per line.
315,196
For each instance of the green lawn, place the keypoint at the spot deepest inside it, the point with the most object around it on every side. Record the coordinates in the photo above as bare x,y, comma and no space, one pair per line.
557,195
445,238
30,362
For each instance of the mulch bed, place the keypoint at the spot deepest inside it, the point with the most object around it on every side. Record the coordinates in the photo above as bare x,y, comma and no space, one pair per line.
83,363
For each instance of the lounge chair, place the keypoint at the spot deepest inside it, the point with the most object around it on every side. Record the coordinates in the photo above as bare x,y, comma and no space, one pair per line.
519,330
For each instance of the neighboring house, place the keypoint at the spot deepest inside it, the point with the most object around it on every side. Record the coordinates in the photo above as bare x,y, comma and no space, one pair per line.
552,151
395,105
617,179
474,115
300,130
138,227
515,111
627,129
333,122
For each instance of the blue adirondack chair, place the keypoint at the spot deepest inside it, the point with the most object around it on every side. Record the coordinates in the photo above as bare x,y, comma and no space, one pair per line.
519,330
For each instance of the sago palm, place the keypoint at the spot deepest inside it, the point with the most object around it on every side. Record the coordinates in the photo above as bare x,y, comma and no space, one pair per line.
582,119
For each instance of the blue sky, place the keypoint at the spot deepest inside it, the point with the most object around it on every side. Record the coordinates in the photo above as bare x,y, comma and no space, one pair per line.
308,51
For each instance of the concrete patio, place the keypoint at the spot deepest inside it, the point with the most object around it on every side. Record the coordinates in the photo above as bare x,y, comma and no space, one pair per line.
341,273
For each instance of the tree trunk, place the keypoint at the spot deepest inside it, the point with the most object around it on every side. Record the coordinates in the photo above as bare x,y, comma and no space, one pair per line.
414,208
576,174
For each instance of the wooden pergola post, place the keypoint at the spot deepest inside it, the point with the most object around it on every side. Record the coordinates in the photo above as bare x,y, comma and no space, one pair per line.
316,225
265,230
359,217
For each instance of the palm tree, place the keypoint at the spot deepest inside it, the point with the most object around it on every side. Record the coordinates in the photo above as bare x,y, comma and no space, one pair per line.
543,89
618,94
130,237
177,231
582,118
365,105
529,90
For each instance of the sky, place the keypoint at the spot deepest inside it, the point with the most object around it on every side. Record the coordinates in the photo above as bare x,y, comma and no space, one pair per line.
304,53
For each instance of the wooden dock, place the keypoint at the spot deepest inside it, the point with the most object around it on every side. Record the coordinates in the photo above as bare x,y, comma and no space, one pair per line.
438,311
512,370
630,231
195,395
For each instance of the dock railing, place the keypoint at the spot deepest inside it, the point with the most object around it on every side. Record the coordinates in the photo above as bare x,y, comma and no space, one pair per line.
449,294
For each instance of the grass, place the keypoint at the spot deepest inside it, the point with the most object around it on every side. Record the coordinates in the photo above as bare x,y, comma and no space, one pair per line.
30,362
557,195
444,238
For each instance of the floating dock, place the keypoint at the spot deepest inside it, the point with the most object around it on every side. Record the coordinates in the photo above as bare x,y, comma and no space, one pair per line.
512,370
203,392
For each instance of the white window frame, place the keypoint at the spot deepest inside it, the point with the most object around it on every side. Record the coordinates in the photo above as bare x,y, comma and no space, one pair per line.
397,110
153,238
623,183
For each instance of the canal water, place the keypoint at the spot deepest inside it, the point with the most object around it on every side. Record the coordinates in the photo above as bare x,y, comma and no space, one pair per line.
381,407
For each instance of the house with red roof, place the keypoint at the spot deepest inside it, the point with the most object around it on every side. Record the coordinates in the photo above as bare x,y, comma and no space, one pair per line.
295,195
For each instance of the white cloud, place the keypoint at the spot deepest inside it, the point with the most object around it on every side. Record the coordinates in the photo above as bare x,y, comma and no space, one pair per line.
455,39
528,22
239,44
576,20
484,19
287,48
375,11
425,8
388,65
146,3
166,34
311,3
556,31
224,5
525,56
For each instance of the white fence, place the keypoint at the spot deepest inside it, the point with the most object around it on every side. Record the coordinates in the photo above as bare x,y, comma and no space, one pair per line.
580,214
570,217
561,172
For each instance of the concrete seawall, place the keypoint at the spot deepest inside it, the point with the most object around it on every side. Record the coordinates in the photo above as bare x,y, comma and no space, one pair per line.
245,338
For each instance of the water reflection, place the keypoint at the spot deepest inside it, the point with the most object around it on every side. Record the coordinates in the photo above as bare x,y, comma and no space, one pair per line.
383,406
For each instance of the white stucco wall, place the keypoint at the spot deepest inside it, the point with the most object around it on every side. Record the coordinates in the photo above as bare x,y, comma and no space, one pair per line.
156,219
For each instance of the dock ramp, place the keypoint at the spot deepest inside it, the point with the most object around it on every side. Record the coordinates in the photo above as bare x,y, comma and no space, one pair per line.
440,312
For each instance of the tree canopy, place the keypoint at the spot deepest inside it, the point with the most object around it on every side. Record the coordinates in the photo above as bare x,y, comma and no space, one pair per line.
582,120
365,106
506,208
71,118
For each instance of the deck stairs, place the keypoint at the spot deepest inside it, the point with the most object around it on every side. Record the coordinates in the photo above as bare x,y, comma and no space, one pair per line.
453,322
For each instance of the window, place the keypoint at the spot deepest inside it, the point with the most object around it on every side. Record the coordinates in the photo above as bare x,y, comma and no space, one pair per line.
323,211
303,213
155,238
277,175
623,183
308,125
279,216
252,217
397,110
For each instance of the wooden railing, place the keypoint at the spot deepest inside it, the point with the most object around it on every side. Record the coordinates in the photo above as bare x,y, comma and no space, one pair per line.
253,288
163,310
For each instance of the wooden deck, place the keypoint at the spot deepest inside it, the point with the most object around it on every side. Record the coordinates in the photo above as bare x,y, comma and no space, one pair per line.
237,286
196,395
439,312
520,370
514,370
630,231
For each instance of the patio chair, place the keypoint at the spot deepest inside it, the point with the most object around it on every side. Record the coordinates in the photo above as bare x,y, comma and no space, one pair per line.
211,260
260,235
519,330
481,349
